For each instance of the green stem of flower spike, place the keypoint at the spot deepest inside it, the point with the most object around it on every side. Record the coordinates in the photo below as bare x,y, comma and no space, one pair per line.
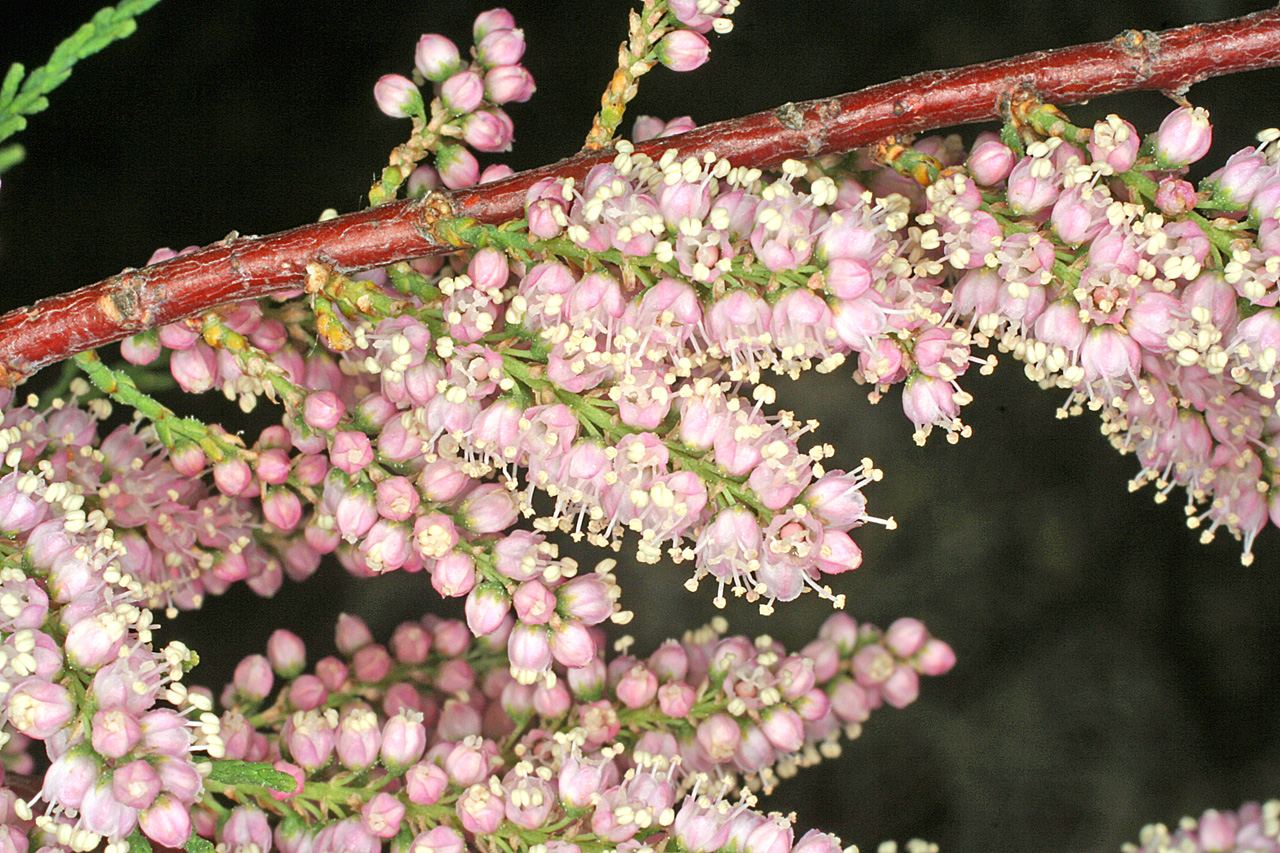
171,430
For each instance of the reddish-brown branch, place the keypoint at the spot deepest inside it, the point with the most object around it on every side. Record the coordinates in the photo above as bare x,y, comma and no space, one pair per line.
245,268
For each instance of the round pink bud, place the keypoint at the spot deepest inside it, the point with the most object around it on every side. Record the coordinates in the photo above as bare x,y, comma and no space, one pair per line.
572,644
115,733
167,821
637,687
500,47
683,50
135,784
990,162
188,460
310,737
463,92
587,682
719,735
195,369
587,598
370,664
838,553
872,665
927,401
454,574
457,166
1033,186
436,57
490,508
451,637
253,678
411,643
95,640
676,699
397,97
1240,178
397,499
350,634
287,653
404,738
351,451
425,783
488,270
142,348
936,658
323,410
902,687
529,648
494,19
273,466
488,130
382,815
534,603
355,513
1109,354
783,727
331,671
670,662
359,739
440,839
233,477
508,84
1183,137
551,702
246,825
1114,142
906,636
847,278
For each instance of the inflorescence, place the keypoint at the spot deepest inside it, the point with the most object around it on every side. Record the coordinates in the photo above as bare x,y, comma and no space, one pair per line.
600,368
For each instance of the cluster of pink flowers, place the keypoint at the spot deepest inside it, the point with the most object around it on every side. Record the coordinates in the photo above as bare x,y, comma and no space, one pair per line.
1252,829
602,368
409,737
467,106
84,518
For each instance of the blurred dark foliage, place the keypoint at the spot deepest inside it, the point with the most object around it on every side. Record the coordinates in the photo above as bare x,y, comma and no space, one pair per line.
1112,670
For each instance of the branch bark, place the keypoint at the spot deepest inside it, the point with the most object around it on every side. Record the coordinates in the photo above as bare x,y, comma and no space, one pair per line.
240,268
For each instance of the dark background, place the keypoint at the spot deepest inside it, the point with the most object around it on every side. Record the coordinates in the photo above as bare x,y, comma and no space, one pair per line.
1112,670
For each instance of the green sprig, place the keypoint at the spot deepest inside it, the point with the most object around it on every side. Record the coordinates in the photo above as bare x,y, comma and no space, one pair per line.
22,94
171,430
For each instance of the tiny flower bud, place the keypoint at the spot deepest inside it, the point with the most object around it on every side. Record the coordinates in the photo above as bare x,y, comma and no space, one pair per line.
1183,137
436,57
683,50
397,96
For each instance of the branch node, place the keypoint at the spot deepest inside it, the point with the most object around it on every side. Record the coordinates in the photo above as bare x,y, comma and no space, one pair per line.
789,116
1143,45
434,207
123,301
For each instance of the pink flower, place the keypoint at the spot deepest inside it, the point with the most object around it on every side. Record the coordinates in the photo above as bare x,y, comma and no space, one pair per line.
167,822
1183,137
397,96
463,93
38,708
382,815
436,57
683,50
